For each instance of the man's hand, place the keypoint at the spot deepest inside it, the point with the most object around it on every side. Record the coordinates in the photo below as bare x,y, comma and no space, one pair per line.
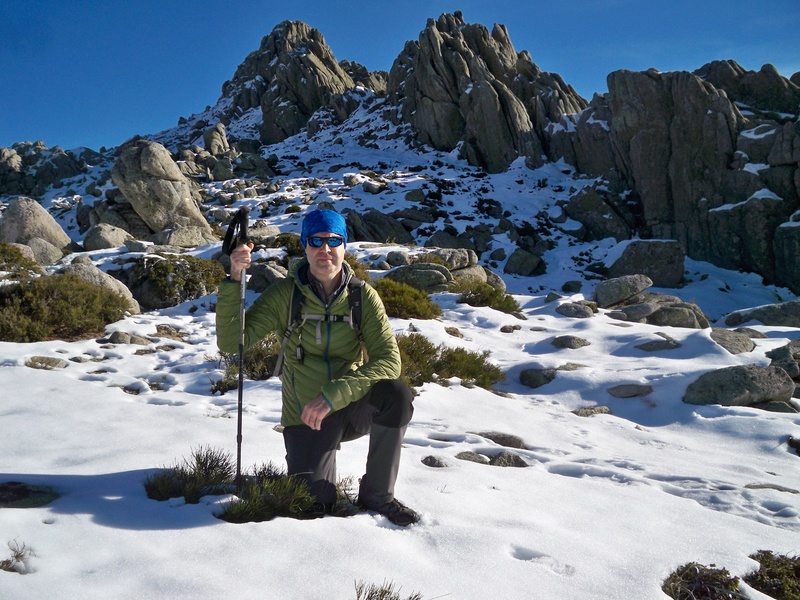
240,259
314,412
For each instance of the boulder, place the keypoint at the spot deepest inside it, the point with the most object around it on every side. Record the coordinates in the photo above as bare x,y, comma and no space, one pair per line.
216,141
25,218
470,275
785,314
185,237
443,239
103,236
428,277
733,341
375,226
660,260
614,291
156,189
741,385
44,252
522,262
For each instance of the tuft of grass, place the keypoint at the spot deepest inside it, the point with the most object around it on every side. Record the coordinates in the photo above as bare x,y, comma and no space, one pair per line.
386,591
694,581
57,307
423,361
483,294
404,301
266,491
267,498
20,557
207,471
777,576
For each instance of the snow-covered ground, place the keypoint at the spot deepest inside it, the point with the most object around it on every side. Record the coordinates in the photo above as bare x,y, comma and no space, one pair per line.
608,506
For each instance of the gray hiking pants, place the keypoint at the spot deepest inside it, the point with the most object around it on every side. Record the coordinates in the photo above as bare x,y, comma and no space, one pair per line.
384,414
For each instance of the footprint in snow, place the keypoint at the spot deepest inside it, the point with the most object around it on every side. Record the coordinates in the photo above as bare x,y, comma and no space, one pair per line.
545,560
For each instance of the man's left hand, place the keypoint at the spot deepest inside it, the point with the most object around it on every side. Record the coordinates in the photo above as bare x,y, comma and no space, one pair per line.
314,412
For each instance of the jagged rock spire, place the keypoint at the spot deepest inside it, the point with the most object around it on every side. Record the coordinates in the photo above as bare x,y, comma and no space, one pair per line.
459,84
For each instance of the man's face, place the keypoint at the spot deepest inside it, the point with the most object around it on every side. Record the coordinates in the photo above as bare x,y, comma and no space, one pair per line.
324,262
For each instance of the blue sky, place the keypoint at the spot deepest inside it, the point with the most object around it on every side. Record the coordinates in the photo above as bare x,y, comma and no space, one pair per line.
95,72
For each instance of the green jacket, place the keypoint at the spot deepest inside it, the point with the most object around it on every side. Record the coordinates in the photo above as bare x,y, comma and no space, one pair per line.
332,363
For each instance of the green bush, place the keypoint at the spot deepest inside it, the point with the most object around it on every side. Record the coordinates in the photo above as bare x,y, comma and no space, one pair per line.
693,581
15,265
174,279
291,243
258,362
359,268
405,302
57,307
483,294
777,576
423,362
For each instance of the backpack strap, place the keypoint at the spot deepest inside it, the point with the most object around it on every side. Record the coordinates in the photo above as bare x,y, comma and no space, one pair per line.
294,318
355,293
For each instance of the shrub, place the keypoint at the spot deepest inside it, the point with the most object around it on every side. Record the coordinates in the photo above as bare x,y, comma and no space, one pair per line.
15,264
423,362
164,281
383,592
483,294
359,268
291,243
405,302
59,306
693,581
258,363
777,576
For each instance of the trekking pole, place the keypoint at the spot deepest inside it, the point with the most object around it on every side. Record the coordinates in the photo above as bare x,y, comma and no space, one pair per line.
236,235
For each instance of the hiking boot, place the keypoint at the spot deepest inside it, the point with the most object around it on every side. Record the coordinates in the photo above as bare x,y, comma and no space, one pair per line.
397,512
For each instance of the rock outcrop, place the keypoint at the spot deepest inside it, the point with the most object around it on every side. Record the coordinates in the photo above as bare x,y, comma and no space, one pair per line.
151,182
459,84
698,169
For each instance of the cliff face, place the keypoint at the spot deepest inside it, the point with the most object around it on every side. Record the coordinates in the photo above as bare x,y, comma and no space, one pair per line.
719,176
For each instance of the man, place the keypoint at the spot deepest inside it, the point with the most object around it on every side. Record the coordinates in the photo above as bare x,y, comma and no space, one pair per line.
334,389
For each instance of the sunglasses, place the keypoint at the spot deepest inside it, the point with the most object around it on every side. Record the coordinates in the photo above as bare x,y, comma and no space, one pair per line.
316,242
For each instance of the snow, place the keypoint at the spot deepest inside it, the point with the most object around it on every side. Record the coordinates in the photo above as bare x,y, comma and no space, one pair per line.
608,506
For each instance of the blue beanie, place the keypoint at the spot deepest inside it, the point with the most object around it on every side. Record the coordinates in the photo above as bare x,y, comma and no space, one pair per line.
323,221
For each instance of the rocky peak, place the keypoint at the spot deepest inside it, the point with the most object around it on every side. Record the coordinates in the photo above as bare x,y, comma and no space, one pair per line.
764,90
458,84
290,76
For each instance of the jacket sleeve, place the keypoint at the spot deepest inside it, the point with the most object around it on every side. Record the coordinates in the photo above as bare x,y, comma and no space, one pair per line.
384,356
268,313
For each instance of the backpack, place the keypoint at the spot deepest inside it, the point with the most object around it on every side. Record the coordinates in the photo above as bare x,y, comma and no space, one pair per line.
296,319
